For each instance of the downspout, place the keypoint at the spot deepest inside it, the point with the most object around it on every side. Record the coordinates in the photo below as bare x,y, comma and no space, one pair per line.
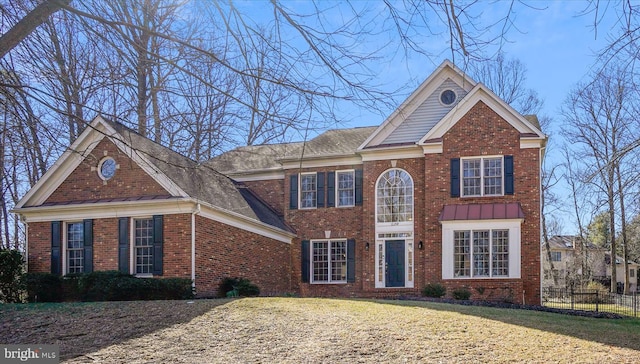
542,151
193,246
26,242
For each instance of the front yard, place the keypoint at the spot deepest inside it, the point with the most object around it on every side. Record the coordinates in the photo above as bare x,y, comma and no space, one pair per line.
315,330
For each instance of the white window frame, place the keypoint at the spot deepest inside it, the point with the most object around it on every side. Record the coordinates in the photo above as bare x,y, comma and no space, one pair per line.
482,175
555,255
132,251
351,172
65,250
514,248
330,262
384,234
315,191
408,222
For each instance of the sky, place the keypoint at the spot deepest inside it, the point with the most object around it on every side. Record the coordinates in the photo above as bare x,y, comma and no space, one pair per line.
559,48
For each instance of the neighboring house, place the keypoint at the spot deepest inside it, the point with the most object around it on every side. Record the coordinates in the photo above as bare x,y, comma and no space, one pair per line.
576,262
446,190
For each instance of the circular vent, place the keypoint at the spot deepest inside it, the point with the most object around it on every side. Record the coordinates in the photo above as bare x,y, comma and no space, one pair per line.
448,97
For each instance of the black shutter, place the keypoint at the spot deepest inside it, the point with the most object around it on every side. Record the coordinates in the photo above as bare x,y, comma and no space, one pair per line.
293,192
351,260
305,261
455,177
123,244
157,245
56,246
331,189
508,175
320,189
358,187
88,245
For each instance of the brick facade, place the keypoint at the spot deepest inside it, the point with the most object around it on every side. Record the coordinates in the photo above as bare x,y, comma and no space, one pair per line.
223,250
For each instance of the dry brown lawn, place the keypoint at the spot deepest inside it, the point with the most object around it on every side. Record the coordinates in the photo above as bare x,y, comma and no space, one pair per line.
296,330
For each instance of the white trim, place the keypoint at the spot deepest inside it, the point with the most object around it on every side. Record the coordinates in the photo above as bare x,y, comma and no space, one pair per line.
336,189
392,152
446,70
482,176
257,175
101,163
514,227
346,247
132,246
151,207
454,99
413,194
432,148
316,162
481,93
315,206
380,247
528,143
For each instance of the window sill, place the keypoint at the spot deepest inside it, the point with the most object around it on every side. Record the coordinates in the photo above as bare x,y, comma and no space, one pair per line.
336,282
144,275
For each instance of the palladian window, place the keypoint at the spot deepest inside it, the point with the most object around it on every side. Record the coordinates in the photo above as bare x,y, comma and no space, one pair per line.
394,194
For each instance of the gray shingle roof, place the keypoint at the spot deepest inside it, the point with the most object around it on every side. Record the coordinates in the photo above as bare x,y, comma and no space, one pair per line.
332,143
200,181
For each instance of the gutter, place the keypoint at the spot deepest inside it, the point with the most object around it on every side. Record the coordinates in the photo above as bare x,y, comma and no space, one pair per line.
193,245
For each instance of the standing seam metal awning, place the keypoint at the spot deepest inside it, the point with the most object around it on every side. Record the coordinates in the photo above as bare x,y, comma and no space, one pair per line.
485,211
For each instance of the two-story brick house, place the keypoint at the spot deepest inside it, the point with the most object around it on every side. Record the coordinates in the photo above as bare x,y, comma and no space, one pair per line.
446,190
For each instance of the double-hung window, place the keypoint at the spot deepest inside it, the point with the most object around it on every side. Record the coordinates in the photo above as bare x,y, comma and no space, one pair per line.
482,176
481,253
556,256
346,188
329,261
143,246
308,190
75,247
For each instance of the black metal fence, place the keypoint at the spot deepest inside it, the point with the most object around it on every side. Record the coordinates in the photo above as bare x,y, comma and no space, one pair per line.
591,300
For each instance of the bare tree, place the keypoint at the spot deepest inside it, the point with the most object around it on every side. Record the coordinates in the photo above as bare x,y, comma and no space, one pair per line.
598,122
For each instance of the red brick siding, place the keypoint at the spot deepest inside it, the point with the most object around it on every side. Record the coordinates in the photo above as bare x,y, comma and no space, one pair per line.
176,245
343,222
84,184
39,249
483,132
226,251
270,191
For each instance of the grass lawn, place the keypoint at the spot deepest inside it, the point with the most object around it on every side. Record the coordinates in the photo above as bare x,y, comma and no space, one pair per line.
315,330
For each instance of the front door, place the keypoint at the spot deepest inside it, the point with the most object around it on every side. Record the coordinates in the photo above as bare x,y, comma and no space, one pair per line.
394,263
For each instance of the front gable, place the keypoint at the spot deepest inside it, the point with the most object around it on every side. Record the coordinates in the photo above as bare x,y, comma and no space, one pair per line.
75,177
86,184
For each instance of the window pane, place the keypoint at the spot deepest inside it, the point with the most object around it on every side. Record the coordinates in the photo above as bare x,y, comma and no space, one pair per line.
346,190
481,253
461,257
143,242
395,197
500,251
493,176
307,190
338,261
75,247
471,177
320,256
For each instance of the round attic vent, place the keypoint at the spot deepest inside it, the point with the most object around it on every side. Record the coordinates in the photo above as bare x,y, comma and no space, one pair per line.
107,168
448,97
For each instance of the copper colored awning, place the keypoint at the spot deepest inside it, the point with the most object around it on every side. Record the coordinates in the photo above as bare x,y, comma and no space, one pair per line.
484,211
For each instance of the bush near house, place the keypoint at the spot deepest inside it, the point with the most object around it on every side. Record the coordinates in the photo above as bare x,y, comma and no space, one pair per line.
435,290
11,283
462,294
233,287
104,286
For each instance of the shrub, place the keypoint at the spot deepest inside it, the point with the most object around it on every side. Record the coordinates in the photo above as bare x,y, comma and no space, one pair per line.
11,282
461,294
43,287
594,287
436,290
231,287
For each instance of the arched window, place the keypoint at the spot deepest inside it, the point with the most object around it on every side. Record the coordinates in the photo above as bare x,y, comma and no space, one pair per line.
394,196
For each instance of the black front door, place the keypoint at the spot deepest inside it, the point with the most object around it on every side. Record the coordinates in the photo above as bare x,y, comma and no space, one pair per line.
394,261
